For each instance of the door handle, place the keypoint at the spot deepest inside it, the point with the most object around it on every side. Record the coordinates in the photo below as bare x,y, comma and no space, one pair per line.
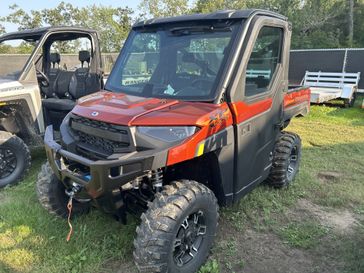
246,129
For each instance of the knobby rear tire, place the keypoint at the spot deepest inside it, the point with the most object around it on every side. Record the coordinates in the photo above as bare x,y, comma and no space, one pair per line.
283,171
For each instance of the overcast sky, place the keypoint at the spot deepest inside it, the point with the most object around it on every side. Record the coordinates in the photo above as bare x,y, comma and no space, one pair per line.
41,4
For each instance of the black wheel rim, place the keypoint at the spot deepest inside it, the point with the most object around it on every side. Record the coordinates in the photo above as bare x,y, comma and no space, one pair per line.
8,162
292,164
189,238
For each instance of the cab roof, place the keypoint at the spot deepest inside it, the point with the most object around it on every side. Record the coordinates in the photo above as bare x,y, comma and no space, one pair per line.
218,15
37,33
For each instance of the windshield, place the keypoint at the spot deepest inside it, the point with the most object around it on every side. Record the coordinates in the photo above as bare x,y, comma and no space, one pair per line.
176,62
15,54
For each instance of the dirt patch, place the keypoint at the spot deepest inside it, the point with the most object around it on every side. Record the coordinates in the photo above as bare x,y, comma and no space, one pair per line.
114,266
329,176
342,221
251,251
258,252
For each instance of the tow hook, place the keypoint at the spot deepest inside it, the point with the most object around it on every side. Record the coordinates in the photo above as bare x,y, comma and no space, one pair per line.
71,193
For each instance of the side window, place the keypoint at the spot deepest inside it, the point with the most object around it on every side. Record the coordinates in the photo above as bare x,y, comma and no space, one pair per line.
143,59
263,61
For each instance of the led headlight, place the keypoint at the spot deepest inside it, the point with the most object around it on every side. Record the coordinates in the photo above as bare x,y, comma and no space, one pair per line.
168,134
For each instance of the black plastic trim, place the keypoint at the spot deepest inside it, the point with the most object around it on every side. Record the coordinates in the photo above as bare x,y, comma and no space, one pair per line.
296,110
218,15
101,181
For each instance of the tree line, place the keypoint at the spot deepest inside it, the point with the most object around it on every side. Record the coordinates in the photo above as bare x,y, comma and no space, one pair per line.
316,23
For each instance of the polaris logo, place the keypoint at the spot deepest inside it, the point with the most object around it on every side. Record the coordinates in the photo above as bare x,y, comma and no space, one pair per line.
94,114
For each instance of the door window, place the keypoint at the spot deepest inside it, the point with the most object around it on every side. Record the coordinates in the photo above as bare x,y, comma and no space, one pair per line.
264,60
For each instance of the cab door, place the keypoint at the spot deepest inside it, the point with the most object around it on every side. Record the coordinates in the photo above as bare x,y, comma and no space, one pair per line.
258,101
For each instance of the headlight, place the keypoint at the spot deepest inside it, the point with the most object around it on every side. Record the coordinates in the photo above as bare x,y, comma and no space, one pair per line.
168,134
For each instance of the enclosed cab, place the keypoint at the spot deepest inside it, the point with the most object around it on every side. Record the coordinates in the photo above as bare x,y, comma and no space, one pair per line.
190,117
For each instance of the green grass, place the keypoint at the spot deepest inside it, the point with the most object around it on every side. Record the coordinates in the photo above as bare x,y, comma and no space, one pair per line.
32,241
333,140
303,234
211,266
352,251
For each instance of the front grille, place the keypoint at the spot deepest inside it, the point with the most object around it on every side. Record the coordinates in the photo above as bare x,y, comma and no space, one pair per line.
99,139
107,145
100,125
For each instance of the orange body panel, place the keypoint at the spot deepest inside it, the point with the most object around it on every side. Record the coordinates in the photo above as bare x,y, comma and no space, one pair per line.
297,97
122,109
243,111
210,124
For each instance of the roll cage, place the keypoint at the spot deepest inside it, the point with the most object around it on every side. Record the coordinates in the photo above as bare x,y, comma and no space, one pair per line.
43,38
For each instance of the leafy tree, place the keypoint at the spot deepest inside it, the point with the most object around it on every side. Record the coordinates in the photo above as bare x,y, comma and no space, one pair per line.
23,48
316,23
5,49
112,23
164,8
23,19
282,6
358,37
350,22
205,6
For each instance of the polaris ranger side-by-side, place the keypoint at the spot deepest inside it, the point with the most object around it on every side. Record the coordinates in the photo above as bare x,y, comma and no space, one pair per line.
38,89
192,116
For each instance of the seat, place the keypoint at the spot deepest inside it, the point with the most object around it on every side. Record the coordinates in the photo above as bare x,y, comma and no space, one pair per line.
53,73
68,87
78,84
56,109
62,84
59,104
83,82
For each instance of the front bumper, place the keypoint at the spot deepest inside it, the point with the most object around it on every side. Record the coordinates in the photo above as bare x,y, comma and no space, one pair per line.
98,179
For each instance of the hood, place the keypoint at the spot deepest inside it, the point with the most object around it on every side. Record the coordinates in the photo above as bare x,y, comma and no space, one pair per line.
8,84
122,109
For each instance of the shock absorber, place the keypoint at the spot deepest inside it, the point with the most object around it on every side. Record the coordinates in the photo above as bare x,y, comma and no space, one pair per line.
157,179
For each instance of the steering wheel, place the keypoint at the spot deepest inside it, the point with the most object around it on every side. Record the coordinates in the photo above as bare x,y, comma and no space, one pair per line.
42,78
